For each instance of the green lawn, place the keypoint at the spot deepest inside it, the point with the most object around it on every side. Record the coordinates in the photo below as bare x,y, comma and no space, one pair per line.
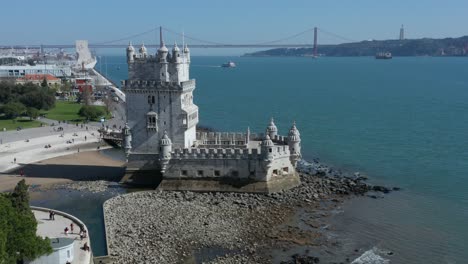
9,124
64,110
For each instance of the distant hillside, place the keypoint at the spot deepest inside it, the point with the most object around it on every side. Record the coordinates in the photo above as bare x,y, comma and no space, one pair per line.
408,47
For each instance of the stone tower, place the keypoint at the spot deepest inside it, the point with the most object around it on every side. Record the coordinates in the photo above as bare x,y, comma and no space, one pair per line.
159,96
294,143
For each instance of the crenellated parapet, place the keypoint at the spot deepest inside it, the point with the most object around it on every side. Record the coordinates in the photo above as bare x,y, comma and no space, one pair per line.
142,86
163,66
227,153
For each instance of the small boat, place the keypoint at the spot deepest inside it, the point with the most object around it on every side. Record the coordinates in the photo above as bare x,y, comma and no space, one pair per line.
229,64
383,55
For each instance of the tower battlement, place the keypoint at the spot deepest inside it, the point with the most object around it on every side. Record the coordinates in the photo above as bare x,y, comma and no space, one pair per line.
142,86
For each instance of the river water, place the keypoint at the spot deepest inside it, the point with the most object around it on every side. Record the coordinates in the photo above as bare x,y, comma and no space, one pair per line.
403,122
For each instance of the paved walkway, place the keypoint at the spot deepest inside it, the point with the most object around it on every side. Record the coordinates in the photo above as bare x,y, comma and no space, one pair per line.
34,149
55,228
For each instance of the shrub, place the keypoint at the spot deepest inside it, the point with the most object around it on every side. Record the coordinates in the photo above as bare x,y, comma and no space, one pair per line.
91,112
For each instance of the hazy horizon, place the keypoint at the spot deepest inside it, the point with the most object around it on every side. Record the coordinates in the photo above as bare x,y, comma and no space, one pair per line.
239,22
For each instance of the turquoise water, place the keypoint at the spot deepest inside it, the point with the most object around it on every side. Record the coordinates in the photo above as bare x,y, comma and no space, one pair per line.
402,122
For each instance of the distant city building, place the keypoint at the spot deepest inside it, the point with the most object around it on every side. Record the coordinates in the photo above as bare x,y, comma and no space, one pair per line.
162,141
84,83
15,71
402,33
38,79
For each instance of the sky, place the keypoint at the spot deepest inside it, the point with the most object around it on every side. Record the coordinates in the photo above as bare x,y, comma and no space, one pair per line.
236,21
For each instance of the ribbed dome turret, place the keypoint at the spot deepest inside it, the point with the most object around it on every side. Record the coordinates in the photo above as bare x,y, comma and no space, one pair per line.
163,48
175,48
267,142
165,140
130,47
143,49
186,49
272,130
294,134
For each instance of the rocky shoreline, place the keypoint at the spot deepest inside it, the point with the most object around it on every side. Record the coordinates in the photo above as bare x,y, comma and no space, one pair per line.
90,186
188,227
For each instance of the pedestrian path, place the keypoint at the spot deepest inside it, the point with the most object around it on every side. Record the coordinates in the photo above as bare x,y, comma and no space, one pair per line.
55,229
14,154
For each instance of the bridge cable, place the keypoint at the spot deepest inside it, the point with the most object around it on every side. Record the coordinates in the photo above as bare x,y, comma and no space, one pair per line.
193,38
125,38
336,35
285,38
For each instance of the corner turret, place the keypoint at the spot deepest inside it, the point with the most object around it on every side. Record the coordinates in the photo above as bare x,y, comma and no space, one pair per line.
187,53
127,134
176,54
165,149
162,55
294,143
272,130
130,52
267,149
143,51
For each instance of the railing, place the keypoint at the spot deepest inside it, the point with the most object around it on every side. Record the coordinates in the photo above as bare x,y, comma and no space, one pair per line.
81,225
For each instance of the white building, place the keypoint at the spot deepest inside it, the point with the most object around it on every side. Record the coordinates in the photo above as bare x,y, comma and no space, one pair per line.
15,71
162,142
62,252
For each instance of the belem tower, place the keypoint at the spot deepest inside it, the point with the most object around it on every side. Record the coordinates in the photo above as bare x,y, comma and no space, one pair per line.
162,143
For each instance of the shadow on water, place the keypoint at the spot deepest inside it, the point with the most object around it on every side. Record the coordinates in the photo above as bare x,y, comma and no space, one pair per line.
85,205
72,172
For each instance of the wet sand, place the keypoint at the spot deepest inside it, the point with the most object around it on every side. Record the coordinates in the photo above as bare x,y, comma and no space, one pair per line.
93,158
8,182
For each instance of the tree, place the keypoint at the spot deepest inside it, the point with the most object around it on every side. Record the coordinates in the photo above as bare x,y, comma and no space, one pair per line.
20,196
13,109
85,96
28,94
66,86
91,112
44,83
32,112
18,238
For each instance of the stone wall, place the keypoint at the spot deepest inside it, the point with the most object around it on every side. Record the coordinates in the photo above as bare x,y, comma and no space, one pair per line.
175,113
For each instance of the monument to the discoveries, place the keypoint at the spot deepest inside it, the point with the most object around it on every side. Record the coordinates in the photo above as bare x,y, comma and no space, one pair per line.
161,140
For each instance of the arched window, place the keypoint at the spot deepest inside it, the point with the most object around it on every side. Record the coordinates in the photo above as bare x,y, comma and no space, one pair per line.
152,121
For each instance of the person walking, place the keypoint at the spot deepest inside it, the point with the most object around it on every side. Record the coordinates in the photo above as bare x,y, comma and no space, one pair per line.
14,160
71,228
66,231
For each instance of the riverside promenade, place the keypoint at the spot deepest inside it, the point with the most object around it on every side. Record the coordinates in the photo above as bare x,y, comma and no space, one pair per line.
29,145
55,229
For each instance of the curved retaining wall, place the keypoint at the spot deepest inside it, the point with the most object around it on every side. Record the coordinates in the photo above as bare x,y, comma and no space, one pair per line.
71,217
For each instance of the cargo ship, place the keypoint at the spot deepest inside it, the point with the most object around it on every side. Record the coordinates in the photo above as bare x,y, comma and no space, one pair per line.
383,55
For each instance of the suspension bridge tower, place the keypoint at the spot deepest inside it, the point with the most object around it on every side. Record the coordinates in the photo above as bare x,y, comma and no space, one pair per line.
315,42
402,33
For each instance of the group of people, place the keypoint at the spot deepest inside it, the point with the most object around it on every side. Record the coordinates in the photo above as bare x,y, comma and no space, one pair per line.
83,233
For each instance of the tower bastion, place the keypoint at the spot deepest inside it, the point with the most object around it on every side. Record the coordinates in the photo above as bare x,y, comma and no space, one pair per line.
162,144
